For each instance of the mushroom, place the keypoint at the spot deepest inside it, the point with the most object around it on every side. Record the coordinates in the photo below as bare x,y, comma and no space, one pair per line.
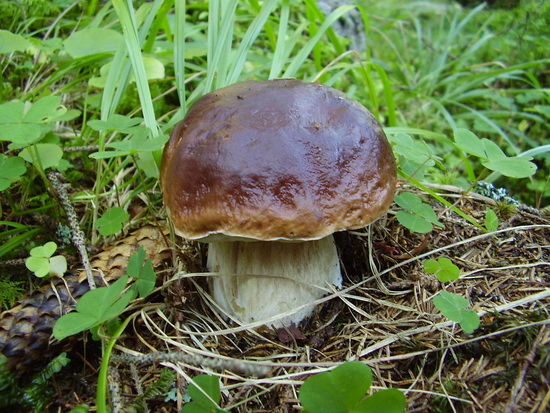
266,172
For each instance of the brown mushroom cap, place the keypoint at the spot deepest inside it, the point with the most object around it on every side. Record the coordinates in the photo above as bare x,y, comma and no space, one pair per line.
276,160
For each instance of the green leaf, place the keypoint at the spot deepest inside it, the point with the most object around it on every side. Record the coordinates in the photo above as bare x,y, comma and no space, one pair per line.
516,167
193,407
492,157
45,251
58,266
414,222
543,110
116,122
209,385
112,221
94,308
10,42
469,142
416,151
383,401
141,269
492,150
21,133
73,323
336,391
417,216
40,266
453,306
11,168
92,41
12,112
443,269
491,220
46,155
44,110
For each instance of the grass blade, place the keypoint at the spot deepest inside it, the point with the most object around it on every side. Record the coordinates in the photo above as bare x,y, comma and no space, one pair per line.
251,34
301,57
179,51
128,22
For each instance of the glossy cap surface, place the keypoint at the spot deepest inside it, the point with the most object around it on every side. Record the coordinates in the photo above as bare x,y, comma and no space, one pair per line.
281,159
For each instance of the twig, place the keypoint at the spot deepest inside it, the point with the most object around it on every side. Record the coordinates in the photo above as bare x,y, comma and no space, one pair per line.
235,365
77,236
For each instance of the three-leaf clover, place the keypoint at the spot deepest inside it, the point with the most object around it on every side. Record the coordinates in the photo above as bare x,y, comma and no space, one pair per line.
42,263
416,215
94,308
142,269
443,269
453,307
112,221
102,305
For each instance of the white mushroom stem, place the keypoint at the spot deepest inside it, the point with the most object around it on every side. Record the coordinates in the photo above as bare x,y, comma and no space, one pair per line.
260,280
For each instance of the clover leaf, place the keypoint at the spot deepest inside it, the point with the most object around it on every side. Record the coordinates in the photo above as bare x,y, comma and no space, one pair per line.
443,268
112,221
11,168
24,123
142,269
204,390
42,263
492,157
416,215
94,308
453,307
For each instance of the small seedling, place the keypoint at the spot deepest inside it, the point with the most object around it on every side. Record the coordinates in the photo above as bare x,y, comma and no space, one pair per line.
42,263
94,308
112,221
416,215
491,220
443,269
205,394
453,307
344,389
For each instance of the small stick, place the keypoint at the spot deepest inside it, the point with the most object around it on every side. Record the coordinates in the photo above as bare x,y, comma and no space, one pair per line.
78,236
234,365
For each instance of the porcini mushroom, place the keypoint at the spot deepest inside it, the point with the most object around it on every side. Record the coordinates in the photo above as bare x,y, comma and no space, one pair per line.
265,172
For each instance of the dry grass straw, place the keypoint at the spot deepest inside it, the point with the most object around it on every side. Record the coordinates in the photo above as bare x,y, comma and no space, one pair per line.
384,317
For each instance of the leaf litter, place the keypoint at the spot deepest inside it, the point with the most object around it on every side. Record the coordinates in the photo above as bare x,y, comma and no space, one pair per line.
384,316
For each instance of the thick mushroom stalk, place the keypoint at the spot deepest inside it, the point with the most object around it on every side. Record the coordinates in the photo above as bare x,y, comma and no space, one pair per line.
264,279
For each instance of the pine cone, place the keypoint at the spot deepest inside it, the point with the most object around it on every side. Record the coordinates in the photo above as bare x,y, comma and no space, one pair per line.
26,329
